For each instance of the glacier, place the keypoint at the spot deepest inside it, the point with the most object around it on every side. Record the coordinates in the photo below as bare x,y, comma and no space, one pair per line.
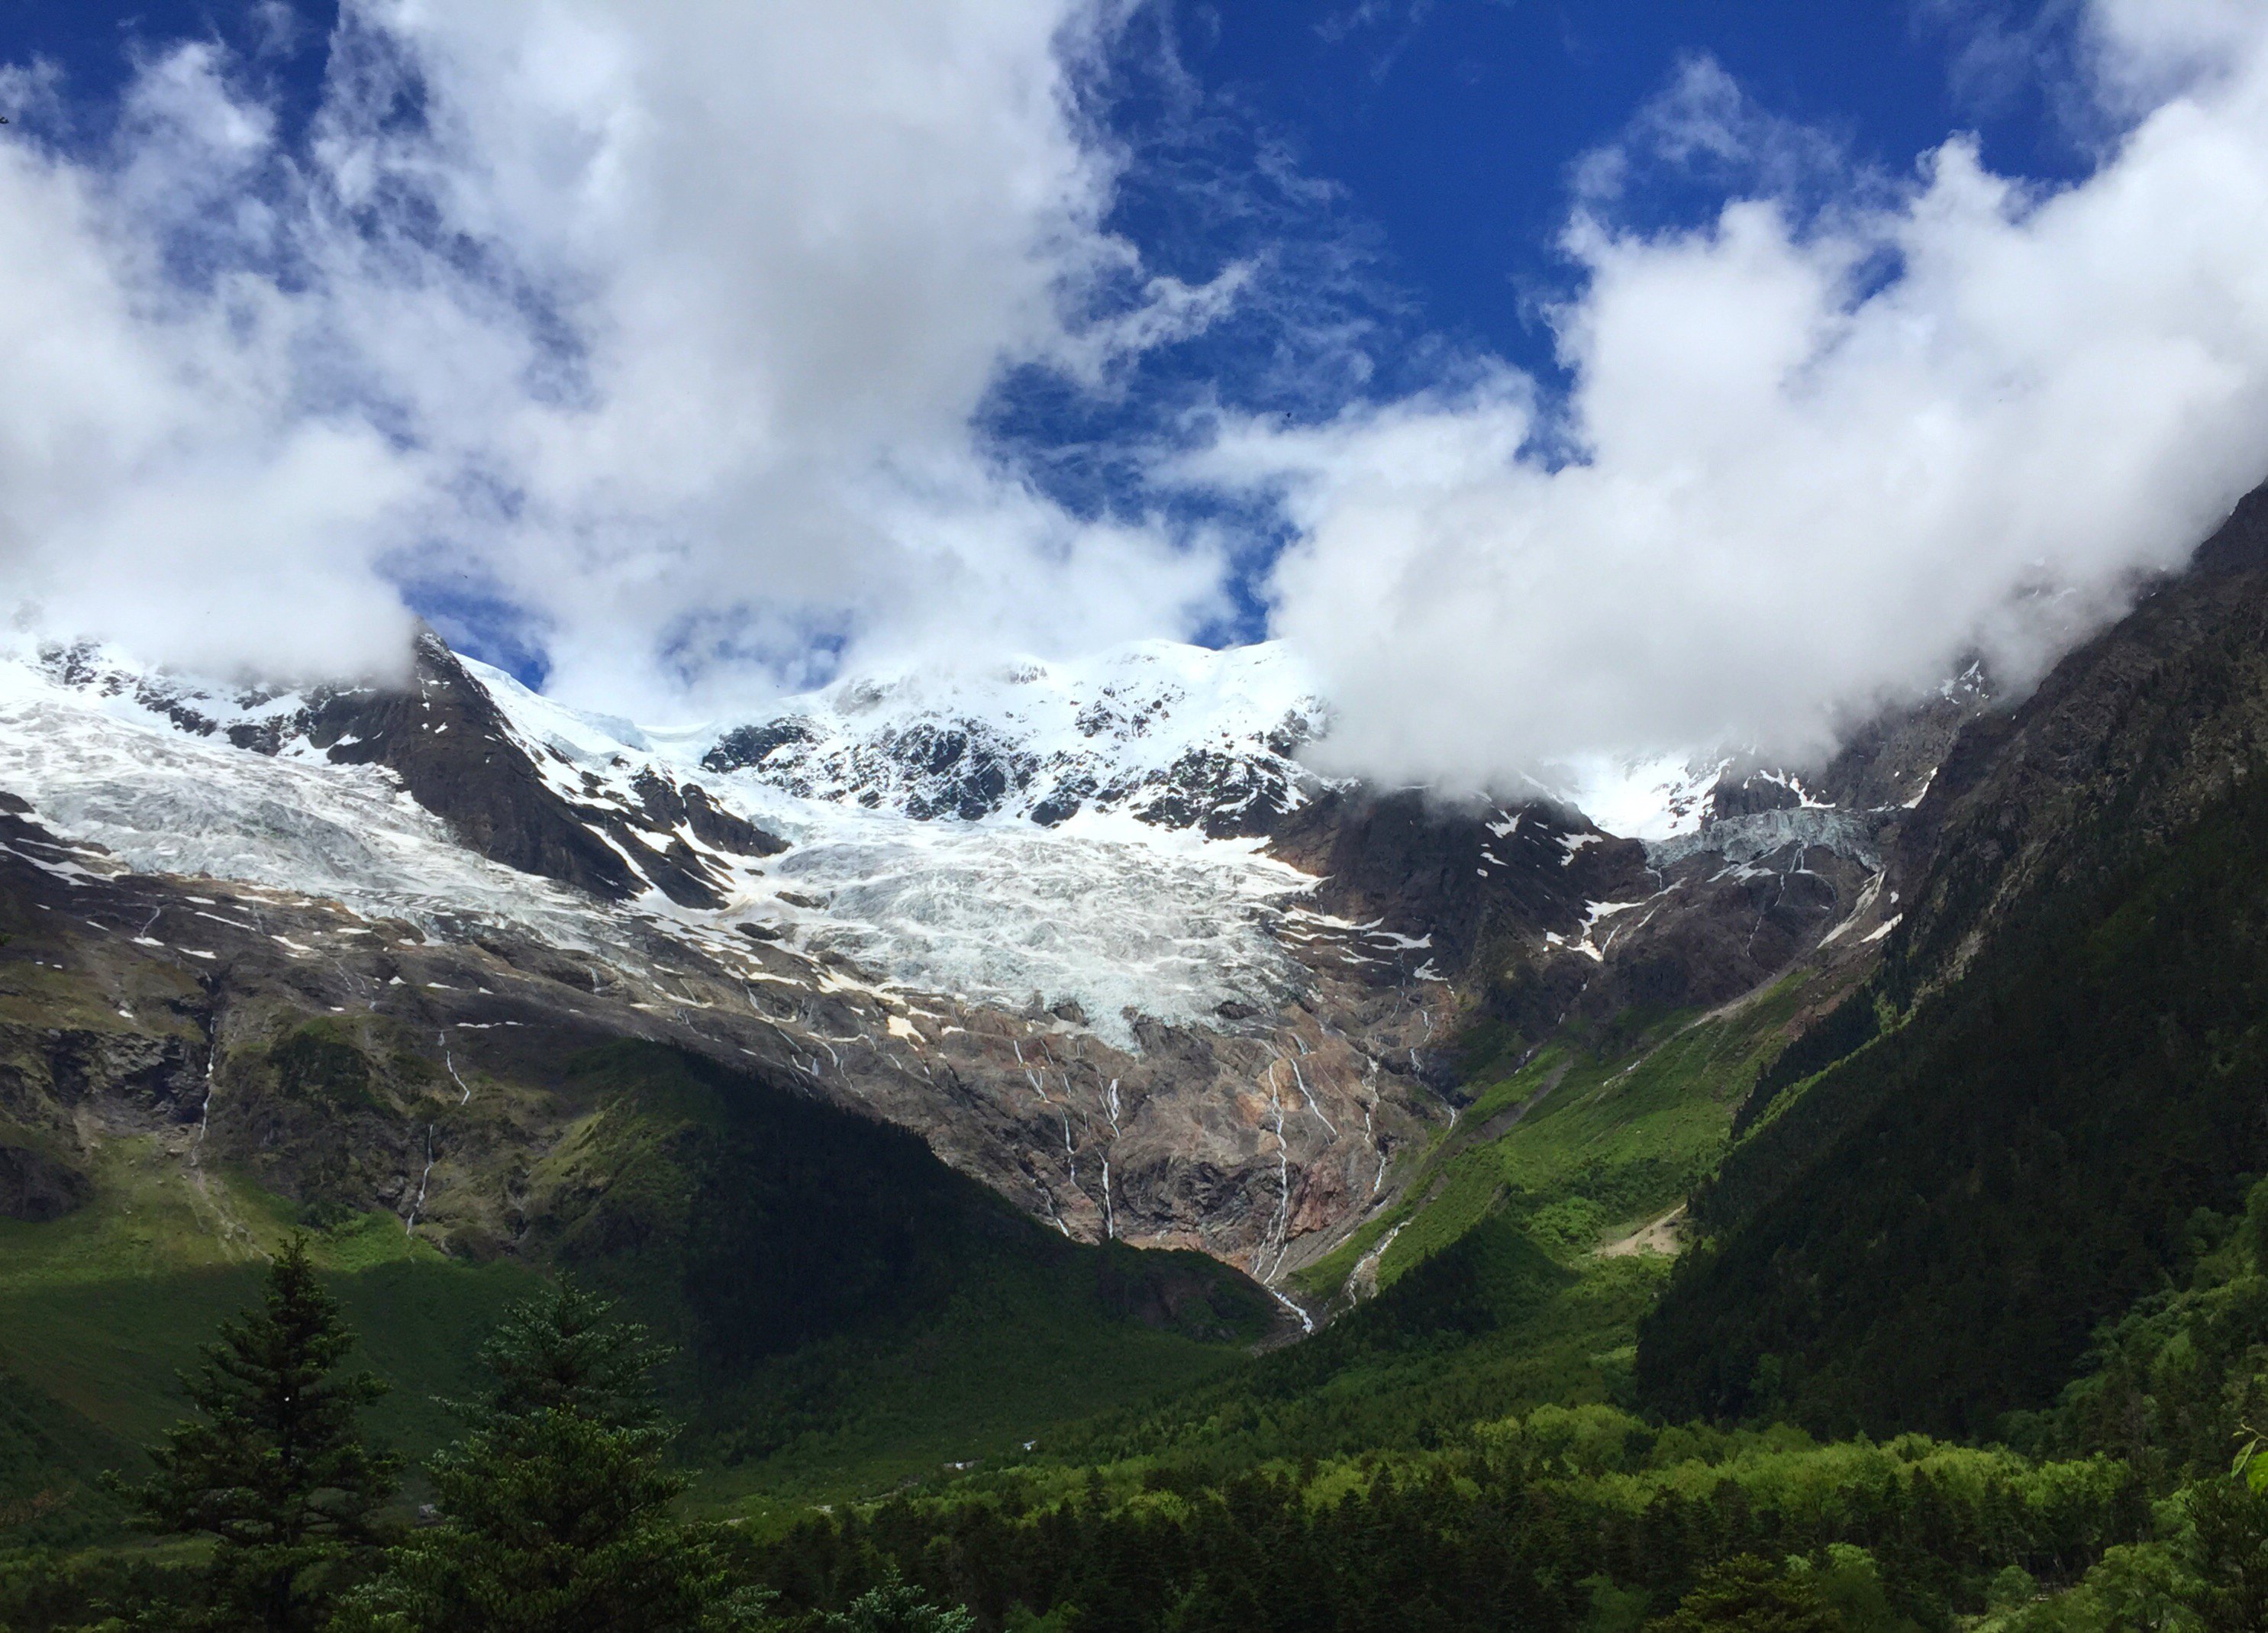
1120,916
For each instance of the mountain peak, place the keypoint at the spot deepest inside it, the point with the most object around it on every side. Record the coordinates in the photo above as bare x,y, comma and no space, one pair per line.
1178,737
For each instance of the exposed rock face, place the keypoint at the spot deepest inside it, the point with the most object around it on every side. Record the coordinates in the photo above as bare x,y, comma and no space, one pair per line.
1536,917
2123,743
1889,762
1458,875
953,768
456,753
445,742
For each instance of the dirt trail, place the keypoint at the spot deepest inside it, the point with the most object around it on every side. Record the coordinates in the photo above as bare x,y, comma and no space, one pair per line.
1663,1236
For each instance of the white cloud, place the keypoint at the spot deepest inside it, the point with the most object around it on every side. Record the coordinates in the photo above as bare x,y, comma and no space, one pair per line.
160,481
1821,457
662,327
663,324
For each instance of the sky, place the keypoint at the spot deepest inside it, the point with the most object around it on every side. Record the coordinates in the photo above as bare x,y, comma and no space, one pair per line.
1558,379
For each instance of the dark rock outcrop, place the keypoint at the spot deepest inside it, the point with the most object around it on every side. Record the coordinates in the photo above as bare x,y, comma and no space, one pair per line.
35,1187
2123,744
449,744
1460,876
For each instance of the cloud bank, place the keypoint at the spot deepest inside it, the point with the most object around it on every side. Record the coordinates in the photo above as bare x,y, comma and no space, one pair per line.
1816,455
655,332
656,341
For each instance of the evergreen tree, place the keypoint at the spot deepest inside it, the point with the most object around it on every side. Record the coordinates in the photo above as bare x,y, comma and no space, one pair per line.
2228,1520
556,1501
897,1606
1745,1595
274,1465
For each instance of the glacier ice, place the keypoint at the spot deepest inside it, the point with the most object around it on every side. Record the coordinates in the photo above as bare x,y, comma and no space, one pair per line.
1004,911
1107,912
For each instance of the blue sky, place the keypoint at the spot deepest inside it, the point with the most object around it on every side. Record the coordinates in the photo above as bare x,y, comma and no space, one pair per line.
1441,138
1444,131
1652,372
1451,125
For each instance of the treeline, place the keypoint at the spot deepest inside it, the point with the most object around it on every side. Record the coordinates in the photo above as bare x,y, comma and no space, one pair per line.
1569,1519
2117,1509
556,1508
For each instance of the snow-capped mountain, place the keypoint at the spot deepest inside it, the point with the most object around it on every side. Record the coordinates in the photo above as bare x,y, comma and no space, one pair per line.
1078,1012
1178,737
1091,929
443,797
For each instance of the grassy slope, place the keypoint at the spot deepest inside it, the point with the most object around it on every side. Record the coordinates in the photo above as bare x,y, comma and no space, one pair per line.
1627,1127
852,1312
990,1331
970,1386
99,1311
685,1185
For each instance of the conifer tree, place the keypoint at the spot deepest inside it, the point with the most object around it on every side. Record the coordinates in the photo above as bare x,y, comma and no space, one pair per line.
274,1465
556,1501
894,1606
1745,1595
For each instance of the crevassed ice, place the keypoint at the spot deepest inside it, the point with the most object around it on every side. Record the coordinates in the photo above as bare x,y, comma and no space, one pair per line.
1108,914
1119,926
165,801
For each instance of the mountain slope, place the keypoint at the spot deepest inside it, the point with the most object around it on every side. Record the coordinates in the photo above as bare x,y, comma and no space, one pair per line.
1089,929
886,963
1926,1232
849,1309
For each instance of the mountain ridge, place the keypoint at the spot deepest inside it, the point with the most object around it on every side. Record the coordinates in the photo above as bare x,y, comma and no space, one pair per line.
1269,970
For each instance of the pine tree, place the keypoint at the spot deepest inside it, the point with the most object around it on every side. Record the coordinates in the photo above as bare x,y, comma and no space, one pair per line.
274,1465
556,1501
1745,1595
894,1606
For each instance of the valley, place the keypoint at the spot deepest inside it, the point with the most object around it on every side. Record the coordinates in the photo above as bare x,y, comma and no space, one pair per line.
1071,1111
